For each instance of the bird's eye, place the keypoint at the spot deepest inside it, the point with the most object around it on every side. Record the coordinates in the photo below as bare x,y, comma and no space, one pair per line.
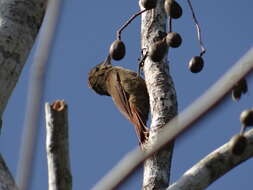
97,69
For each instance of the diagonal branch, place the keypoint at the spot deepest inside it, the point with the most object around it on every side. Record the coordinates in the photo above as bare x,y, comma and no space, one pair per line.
213,166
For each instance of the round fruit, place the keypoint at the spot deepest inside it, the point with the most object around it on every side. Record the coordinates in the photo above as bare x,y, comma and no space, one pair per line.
148,4
117,50
236,94
158,50
196,64
238,144
246,117
243,85
173,39
173,9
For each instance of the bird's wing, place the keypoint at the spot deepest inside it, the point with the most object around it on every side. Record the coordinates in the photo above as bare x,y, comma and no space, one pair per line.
119,95
129,110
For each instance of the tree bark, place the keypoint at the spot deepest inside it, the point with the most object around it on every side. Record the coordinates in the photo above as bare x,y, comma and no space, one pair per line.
163,102
57,145
7,182
20,23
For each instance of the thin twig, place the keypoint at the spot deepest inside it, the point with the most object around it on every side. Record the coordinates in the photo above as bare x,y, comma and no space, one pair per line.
203,50
183,121
242,130
128,22
141,63
170,24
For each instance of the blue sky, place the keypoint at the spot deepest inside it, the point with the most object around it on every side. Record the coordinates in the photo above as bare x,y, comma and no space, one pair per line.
99,134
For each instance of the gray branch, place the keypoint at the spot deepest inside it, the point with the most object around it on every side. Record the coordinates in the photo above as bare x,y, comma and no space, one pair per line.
57,146
6,180
163,102
20,23
213,166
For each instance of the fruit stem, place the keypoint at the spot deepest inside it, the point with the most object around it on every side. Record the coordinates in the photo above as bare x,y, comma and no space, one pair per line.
170,24
128,22
242,129
203,50
141,63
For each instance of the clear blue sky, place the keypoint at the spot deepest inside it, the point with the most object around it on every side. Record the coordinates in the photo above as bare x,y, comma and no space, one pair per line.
99,134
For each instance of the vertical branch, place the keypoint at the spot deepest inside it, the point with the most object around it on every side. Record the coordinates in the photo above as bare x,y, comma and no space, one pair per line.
163,101
57,146
35,94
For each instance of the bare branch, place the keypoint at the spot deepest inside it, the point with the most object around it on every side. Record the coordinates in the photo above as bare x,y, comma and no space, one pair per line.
213,166
6,180
162,94
180,123
35,93
57,145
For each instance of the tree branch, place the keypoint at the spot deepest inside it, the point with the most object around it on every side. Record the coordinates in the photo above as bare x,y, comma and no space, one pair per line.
20,23
57,145
6,180
163,102
213,166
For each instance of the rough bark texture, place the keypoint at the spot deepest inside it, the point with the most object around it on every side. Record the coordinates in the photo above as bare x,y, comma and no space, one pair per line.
163,101
57,145
20,21
6,180
213,166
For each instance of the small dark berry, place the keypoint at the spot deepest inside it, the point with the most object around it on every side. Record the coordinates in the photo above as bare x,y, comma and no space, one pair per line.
148,4
238,144
246,117
173,9
196,64
158,50
173,39
117,50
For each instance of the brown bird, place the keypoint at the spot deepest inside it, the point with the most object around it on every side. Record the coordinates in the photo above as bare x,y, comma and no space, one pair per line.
128,91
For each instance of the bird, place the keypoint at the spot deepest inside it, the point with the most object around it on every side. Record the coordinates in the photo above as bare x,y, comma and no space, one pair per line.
128,91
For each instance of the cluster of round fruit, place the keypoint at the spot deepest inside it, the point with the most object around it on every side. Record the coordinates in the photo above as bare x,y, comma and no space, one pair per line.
158,49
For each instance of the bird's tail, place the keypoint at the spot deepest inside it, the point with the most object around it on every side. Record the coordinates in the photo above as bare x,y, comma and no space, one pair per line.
140,127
